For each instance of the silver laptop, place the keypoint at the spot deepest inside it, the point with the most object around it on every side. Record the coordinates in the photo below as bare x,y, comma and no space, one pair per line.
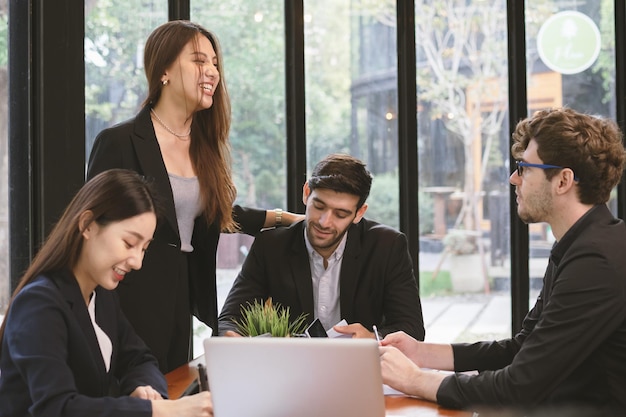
294,377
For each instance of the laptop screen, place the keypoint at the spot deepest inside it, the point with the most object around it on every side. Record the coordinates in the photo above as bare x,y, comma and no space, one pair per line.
294,377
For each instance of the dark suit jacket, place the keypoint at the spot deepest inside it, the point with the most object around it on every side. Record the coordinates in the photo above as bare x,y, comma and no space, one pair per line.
147,295
51,363
377,286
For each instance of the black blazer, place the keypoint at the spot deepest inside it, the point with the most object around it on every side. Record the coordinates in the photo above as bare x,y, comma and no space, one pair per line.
51,363
377,286
146,295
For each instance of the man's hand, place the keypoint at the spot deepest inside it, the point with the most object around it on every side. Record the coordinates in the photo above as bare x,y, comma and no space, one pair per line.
398,371
356,330
405,343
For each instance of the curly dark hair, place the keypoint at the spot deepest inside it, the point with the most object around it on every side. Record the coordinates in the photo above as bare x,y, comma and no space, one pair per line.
592,146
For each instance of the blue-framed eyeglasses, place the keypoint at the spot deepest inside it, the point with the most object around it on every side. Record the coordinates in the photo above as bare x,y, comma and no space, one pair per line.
521,165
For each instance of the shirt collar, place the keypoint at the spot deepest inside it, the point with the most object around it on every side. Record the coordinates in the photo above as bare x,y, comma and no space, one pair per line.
592,215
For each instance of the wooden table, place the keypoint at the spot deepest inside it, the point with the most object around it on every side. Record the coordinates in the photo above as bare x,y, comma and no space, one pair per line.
180,378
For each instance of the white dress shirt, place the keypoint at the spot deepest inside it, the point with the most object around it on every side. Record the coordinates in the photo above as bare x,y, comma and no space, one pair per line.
326,303
106,347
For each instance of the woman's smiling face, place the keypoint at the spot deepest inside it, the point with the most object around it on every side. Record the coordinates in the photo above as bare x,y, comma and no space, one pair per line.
110,251
194,75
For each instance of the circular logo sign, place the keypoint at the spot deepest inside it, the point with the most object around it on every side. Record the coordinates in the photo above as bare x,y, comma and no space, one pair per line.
568,42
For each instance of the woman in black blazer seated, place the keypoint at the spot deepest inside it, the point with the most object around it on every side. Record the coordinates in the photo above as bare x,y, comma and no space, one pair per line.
66,348
180,140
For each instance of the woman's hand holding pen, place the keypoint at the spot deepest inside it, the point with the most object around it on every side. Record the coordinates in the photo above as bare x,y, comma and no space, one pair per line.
194,405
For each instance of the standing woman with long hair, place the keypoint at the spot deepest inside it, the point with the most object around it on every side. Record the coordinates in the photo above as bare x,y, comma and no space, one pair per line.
66,348
180,139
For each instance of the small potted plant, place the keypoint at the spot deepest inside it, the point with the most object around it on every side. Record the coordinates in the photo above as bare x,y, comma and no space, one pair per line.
466,271
460,242
262,318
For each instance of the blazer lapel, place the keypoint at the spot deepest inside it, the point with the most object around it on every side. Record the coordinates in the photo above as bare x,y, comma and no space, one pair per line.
301,270
150,159
71,291
349,275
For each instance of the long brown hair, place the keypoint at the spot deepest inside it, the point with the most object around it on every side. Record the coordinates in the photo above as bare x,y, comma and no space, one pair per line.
209,149
111,196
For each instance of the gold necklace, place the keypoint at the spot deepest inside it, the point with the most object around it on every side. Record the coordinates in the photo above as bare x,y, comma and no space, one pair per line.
179,136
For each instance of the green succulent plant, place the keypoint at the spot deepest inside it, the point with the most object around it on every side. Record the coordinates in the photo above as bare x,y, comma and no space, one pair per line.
260,318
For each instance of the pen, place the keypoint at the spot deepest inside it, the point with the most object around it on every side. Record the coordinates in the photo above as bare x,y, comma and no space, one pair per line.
202,377
193,388
376,333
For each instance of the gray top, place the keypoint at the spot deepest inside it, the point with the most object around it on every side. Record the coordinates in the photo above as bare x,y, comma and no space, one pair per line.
187,203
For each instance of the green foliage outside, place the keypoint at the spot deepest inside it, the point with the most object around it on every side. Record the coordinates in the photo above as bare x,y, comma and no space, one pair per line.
429,287
4,49
605,65
425,213
115,82
384,201
252,38
329,48
4,206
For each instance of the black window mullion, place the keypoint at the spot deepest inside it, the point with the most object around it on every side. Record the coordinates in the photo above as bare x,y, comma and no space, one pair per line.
407,125
59,111
46,135
20,130
518,104
295,103
178,10
620,91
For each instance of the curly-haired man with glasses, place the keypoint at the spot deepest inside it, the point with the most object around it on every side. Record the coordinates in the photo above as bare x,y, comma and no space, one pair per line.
570,355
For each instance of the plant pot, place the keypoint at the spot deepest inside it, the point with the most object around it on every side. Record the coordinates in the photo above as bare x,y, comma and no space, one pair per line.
466,273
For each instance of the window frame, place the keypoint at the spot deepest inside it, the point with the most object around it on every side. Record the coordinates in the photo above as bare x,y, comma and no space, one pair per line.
46,113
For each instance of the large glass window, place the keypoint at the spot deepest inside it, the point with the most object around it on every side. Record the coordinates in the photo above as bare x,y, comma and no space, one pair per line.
252,36
461,49
351,92
115,82
351,106
570,62
4,122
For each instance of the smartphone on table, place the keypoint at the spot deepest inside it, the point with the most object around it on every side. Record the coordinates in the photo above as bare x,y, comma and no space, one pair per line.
316,329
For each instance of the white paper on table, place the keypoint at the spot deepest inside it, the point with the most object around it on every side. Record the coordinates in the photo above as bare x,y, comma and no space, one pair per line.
387,390
332,333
